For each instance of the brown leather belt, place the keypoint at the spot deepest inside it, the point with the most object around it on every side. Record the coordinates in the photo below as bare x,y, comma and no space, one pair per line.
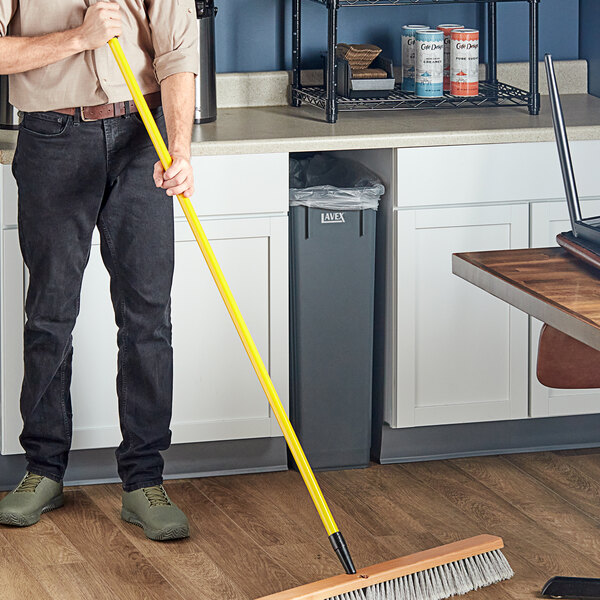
106,111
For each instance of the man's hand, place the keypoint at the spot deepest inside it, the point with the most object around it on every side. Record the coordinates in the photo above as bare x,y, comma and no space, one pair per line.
102,22
178,179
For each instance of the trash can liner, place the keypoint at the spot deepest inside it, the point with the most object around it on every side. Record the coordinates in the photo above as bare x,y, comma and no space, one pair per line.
330,197
328,182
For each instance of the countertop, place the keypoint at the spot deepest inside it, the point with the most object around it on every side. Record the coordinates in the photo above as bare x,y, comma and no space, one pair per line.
286,129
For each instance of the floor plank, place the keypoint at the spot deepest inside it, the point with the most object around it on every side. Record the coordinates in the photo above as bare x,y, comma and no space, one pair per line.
562,473
123,569
550,511
17,579
248,565
256,534
497,516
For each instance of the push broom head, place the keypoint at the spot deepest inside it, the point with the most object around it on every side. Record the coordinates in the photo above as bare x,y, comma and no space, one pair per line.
434,574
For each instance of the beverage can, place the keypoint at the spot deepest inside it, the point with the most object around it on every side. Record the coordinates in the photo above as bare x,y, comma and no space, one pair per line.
464,62
408,56
429,63
447,29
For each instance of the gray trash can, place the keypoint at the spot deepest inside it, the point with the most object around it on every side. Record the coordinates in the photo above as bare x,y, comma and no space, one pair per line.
333,205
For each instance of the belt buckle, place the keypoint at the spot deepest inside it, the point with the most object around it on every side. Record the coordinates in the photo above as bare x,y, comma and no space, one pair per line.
83,116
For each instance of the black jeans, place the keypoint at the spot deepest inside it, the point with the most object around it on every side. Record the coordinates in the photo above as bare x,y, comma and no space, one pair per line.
73,176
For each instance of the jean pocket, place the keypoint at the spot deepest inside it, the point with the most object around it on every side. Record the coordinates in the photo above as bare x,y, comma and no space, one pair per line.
45,124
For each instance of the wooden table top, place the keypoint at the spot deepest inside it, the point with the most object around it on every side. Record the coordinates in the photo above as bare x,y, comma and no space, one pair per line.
547,283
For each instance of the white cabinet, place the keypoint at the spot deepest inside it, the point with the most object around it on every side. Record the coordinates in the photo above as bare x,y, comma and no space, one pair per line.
11,344
216,394
547,220
461,354
451,352
491,173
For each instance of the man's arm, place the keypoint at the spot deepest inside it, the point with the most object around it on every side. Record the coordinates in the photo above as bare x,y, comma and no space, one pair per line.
178,99
19,54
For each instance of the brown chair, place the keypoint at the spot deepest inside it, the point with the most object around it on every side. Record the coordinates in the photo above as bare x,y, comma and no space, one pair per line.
566,363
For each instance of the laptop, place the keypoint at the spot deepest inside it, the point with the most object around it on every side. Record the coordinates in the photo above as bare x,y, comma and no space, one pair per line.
584,239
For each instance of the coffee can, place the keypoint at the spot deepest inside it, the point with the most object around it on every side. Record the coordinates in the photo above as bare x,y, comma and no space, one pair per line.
464,62
408,56
429,63
447,29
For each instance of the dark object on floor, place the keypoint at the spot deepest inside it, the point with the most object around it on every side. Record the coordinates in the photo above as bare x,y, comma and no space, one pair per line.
572,587
566,363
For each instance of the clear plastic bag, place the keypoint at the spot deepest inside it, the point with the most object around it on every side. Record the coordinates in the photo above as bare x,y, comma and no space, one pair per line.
324,181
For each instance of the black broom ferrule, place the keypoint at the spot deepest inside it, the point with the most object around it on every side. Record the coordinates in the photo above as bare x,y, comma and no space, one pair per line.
339,545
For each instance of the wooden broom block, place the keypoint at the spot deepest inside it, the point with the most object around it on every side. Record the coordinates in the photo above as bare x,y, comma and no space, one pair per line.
392,569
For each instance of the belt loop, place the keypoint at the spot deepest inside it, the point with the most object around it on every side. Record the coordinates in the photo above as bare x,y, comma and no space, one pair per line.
127,109
77,116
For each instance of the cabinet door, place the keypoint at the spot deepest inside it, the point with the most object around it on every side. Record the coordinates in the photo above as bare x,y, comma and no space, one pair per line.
216,394
547,220
11,346
95,414
461,353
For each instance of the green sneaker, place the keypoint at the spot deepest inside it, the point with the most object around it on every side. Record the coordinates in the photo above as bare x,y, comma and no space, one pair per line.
151,509
32,497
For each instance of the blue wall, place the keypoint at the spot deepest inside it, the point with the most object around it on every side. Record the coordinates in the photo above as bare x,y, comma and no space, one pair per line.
255,35
589,43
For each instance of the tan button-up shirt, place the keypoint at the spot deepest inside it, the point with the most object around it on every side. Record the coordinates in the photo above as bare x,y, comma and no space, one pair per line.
159,38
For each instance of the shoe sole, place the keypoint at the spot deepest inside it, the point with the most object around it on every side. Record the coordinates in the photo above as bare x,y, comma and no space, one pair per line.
16,520
158,535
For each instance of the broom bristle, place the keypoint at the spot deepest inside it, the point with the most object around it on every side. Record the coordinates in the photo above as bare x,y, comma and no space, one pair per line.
434,574
441,582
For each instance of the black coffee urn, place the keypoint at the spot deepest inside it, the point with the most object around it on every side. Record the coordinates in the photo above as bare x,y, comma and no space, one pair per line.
206,82
9,117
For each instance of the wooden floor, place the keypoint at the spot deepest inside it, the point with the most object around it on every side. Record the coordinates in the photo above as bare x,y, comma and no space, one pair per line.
257,534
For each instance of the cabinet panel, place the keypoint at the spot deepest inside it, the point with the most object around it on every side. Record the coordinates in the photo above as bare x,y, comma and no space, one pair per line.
240,184
12,298
547,220
461,354
492,173
8,193
216,395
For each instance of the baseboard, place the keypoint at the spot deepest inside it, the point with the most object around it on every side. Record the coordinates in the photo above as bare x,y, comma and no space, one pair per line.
204,459
479,439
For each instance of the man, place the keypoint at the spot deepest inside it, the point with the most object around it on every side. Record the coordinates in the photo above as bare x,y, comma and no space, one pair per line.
83,160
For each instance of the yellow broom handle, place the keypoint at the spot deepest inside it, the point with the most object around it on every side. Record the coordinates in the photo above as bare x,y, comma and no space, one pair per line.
236,316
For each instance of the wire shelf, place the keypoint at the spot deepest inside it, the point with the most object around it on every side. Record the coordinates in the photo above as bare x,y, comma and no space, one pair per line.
490,94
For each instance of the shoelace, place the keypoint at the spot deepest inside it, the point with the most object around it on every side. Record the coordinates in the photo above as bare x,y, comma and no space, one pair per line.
157,496
29,483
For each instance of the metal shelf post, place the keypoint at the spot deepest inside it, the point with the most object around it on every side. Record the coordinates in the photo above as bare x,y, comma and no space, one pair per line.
492,43
331,75
296,50
534,92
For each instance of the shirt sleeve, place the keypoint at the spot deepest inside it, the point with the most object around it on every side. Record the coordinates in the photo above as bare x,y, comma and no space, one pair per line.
174,29
7,10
